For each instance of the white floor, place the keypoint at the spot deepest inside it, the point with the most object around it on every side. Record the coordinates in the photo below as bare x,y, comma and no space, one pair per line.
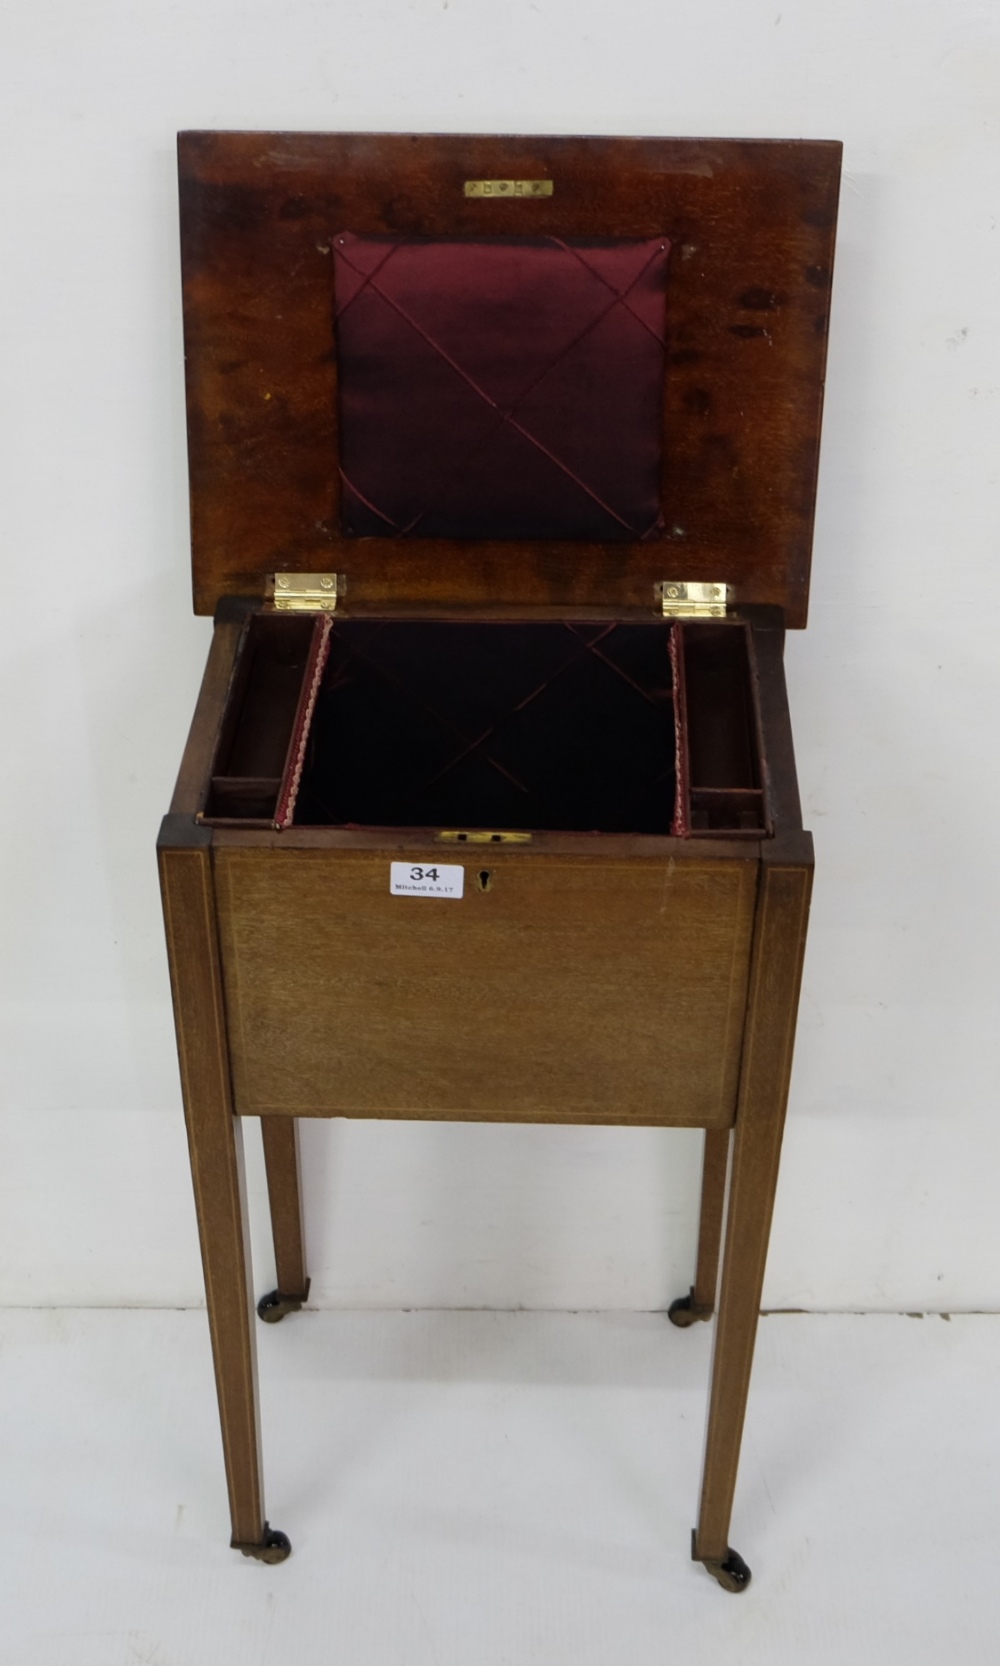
478,1489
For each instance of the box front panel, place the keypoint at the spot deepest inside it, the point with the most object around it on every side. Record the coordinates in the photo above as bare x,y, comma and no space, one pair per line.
554,989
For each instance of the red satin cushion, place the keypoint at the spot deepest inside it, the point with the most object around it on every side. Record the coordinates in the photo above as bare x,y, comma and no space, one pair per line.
500,388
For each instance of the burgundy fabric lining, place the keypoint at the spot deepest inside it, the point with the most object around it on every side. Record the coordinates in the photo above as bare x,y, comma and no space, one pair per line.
680,827
623,298
448,723
541,725
369,277
481,740
319,649
500,388
507,416
351,487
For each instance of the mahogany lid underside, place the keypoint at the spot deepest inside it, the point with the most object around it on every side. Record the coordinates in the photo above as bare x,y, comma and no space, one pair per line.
751,226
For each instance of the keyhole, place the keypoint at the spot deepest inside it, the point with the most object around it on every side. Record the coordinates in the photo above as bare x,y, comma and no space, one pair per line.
485,879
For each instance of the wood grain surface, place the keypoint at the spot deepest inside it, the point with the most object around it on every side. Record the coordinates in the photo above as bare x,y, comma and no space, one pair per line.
580,979
191,789
215,1144
280,1136
714,1173
773,996
577,991
752,227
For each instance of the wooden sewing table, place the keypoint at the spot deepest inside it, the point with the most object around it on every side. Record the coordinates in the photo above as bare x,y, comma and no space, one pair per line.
489,809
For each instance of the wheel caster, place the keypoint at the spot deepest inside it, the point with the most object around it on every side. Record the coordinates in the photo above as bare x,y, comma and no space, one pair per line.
276,1304
275,1546
683,1311
731,1572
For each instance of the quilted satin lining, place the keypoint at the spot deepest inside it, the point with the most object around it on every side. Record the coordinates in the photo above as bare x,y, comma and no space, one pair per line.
500,388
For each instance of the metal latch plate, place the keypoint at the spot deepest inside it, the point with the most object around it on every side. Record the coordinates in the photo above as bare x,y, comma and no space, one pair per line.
481,836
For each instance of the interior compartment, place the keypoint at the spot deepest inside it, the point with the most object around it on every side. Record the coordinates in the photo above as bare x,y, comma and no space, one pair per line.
508,726
252,753
613,727
720,763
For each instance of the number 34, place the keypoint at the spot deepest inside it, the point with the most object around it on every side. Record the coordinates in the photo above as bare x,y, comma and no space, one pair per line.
417,874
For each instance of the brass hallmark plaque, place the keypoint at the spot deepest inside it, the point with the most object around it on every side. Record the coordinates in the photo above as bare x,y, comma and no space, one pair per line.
508,187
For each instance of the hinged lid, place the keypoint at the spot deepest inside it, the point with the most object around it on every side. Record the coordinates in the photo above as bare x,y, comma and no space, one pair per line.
732,240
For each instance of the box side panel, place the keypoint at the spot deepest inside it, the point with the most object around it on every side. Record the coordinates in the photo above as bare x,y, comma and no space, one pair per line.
192,780
588,990
775,721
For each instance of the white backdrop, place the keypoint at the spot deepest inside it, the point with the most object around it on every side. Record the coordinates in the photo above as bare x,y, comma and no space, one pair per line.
893,1145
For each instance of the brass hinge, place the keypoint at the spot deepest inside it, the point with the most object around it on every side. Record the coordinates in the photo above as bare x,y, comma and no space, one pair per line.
692,601
306,592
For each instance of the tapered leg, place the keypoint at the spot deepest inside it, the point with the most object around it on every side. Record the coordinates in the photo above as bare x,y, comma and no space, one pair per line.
713,1208
700,1302
779,942
281,1160
215,1143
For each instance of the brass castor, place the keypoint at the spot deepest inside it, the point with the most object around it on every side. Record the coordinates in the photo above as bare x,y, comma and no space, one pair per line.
731,1572
275,1546
277,1303
683,1311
